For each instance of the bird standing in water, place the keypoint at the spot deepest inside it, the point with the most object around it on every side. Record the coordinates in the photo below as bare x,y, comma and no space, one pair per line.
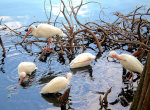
46,31
82,60
128,62
57,84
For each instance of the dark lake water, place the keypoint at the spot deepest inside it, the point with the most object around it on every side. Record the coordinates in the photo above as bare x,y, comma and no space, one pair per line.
86,82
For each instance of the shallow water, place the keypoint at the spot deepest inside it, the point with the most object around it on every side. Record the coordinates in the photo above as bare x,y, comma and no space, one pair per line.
86,84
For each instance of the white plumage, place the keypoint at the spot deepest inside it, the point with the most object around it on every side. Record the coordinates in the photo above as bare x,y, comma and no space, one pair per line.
25,68
57,84
82,60
128,62
45,30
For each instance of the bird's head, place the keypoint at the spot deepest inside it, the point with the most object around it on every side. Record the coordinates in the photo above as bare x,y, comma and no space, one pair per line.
112,54
22,75
31,29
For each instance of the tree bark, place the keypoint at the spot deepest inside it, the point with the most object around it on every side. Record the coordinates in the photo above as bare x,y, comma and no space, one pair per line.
141,99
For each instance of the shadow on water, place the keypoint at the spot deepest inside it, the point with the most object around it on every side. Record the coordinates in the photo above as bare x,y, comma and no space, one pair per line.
61,59
87,69
54,99
58,99
46,78
2,63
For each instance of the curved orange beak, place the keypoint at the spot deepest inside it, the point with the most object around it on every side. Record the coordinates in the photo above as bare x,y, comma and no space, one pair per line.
116,57
29,31
21,79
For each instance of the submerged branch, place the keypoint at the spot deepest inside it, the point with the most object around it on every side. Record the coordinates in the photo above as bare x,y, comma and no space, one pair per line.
106,95
1,42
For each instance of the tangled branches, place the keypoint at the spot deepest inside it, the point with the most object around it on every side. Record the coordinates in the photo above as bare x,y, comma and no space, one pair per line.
131,30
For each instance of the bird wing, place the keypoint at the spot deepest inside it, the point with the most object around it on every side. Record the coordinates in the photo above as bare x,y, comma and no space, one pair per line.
27,67
55,85
79,59
46,30
132,63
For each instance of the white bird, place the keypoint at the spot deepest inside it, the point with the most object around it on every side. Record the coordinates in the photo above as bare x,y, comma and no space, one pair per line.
128,62
57,84
46,31
25,69
82,60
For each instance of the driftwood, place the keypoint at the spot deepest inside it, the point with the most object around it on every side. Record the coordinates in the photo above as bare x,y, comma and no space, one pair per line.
141,99
106,94
104,102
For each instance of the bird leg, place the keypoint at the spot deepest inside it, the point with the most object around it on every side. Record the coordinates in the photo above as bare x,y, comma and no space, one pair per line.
131,75
47,48
52,46
127,77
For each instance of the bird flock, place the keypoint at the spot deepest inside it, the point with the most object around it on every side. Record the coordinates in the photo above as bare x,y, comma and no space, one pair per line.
57,84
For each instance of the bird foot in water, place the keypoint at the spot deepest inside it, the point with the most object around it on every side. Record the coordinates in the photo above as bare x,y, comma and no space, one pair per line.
128,78
47,48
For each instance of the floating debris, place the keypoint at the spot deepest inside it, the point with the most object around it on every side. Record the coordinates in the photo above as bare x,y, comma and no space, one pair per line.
11,88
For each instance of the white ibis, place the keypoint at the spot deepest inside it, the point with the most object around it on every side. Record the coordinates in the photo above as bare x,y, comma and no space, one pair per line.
82,60
46,31
25,69
57,84
128,62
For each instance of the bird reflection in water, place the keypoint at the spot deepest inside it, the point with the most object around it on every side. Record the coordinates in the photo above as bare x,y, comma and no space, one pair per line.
61,59
86,69
46,78
2,63
27,81
3,56
52,98
58,99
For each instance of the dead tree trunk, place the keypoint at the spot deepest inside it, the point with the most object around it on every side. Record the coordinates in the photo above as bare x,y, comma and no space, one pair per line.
141,99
